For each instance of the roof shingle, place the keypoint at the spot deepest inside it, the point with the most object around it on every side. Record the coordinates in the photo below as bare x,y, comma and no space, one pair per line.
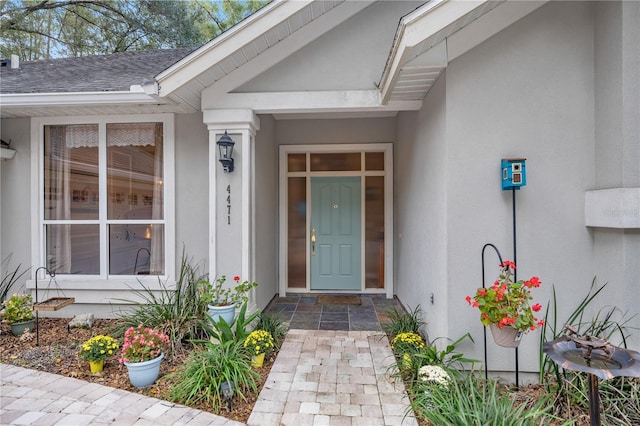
115,72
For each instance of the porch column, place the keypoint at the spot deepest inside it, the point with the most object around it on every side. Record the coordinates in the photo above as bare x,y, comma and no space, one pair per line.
231,196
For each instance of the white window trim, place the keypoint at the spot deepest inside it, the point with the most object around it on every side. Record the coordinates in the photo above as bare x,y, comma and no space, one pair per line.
387,148
101,282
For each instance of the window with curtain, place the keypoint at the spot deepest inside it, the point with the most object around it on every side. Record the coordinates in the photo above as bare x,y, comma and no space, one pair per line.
104,199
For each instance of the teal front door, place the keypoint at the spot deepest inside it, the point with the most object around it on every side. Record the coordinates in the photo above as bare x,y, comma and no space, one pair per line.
335,233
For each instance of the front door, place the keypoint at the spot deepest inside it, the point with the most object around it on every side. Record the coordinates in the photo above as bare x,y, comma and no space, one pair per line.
335,233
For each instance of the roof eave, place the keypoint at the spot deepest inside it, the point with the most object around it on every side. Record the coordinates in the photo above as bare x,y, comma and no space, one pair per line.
11,100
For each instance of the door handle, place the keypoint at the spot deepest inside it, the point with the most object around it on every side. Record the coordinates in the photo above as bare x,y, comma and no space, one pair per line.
313,241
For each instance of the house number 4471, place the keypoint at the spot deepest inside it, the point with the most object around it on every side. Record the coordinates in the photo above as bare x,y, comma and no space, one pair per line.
228,204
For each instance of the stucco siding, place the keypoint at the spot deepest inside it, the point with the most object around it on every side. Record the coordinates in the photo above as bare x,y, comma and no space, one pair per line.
266,229
330,131
15,201
192,189
527,92
421,210
351,56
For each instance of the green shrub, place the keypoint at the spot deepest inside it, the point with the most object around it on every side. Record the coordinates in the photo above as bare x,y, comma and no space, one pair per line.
237,331
200,378
179,313
274,325
403,322
469,401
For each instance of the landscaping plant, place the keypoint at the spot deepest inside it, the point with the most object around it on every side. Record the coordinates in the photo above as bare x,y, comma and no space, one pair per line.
237,331
98,348
177,312
273,324
199,380
142,344
471,402
19,308
403,322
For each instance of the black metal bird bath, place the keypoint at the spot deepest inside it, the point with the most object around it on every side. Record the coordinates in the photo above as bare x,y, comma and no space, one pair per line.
596,357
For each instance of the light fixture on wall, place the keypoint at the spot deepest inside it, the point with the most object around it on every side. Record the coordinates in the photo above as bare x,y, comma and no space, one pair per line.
6,152
225,146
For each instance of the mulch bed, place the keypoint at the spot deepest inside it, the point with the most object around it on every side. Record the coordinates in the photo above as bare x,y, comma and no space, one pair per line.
58,354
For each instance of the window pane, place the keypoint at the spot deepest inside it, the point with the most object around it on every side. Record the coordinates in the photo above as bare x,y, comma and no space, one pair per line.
297,227
347,161
374,161
374,232
73,249
71,172
297,162
136,249
134,171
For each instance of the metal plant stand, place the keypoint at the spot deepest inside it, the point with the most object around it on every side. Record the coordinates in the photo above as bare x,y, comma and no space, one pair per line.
51,304
594,356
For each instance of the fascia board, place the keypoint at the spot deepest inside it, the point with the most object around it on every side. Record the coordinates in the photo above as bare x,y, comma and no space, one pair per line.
76,98
310,102
417,27
226,44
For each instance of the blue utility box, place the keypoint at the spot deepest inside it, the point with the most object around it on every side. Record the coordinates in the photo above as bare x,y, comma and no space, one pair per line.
514,173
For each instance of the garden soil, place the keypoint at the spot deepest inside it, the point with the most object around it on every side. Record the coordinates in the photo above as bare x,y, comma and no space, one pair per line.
57,353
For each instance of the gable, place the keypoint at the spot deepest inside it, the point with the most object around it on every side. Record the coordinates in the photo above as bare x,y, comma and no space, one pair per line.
350,56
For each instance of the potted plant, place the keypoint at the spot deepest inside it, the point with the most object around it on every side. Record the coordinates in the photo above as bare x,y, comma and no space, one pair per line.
505,306
221,301
18,313
97,349
259,343
141,353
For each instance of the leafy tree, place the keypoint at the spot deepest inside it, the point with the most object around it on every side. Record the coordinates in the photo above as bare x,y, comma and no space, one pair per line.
40,29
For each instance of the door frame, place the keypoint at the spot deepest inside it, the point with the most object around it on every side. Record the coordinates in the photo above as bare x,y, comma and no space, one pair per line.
284,150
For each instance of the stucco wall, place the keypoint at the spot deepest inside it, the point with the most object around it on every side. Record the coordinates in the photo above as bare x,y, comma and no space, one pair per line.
266,196
421,210
363,130
526,92
192,189
617,146
15,203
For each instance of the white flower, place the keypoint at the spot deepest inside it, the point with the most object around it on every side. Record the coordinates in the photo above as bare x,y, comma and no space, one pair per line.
434,374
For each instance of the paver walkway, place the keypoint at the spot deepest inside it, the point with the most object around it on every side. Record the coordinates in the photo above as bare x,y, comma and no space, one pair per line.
332,378
320,377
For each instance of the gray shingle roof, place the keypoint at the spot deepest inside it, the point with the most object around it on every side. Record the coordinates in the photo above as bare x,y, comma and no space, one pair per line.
114,72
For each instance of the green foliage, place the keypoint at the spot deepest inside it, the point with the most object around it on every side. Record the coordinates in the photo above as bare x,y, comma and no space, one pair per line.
9,277
179,313
41,29
98,348
403,322
273,324
199,380
469,401
215,293
18,308
237,331
569,389
447,358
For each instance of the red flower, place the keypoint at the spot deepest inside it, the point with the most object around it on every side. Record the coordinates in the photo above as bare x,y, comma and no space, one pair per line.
468,299
508,264
236,278
482,292
536,307
475,304
533,282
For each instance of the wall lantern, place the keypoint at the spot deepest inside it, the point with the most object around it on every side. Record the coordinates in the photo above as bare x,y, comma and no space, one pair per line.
225,146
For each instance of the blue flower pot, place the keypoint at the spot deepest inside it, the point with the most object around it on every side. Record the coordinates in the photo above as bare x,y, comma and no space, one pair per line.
227,313
18,328
143,374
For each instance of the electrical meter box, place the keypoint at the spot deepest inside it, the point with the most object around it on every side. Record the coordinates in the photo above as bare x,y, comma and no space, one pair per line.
514,173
